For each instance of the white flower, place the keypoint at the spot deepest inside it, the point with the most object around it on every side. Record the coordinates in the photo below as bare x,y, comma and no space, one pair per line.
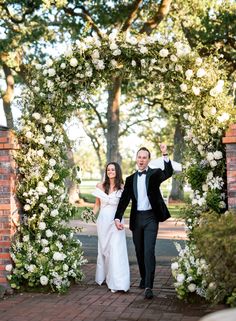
222,204
204,187
27,207
192,287
36,116
133,63
45,249
210,156
52,162
43,280
180,278
113,46
42,226
201,72
73,62
178,68
48,129
196,90
174,266
42,141
29,134
51,72
40,153
198,61
173,58
188,74
224,117
54,213
31,268
49,139
8,267
26,238
49,233
183,87
114,63
44,242
213,163
164,52
95,54
65,267
49,63
63,65
218,154
212,286
213,111
38,66
57,256
143,50
116,52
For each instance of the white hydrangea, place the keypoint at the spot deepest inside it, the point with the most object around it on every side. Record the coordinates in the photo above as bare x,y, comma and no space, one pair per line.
42,226
44,280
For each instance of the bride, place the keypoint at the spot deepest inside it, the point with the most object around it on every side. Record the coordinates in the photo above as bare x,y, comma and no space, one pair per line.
112,260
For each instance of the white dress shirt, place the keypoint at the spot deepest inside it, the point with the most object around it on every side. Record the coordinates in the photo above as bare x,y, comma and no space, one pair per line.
143,203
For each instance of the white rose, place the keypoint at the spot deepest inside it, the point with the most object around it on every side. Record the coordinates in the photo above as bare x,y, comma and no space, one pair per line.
8,267
213,111
49,233
38,66
198,61
196,90
95,54
183,87
192,287
29,134
180,278
42,141
42,226
46,249
57,256
188,74
63,65
40,153
51,72
210,157
27,207
116,52
48,129
73,62
164,52
36,116
143,50
113,46
54,213
218,154
224,117
213,163
26,238
52,162
44,242
174,266
173,58
201,72
43,280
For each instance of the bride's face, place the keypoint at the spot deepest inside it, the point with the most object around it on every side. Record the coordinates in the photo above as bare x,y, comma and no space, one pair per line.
111,171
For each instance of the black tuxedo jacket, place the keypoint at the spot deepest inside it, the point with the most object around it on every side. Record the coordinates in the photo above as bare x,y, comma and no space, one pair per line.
154,178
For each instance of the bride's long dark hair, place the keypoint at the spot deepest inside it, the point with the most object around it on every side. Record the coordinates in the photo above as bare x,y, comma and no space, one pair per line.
118,179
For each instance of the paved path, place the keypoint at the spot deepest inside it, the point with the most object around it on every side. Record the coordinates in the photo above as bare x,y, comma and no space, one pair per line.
89,302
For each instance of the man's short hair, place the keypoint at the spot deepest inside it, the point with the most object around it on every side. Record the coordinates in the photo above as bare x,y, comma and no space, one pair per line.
146,150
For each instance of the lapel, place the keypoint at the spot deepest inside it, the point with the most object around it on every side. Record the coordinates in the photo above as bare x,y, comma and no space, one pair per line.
135,185
148,175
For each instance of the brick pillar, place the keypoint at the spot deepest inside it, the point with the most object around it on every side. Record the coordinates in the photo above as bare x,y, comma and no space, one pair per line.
230,141
9,213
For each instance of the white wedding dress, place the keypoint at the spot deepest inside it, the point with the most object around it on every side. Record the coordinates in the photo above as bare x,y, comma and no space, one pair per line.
112,259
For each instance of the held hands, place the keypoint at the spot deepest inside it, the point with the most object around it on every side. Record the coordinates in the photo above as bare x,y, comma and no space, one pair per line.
119,225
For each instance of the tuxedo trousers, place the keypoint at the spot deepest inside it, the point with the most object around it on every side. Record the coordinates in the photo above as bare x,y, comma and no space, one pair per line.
144,238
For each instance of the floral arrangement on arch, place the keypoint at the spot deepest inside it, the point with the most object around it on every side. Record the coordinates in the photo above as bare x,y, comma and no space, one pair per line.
196,90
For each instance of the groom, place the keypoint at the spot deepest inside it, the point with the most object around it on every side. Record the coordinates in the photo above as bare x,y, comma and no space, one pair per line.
147,210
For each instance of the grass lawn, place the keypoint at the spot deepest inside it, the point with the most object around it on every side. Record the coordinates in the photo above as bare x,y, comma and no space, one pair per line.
87,187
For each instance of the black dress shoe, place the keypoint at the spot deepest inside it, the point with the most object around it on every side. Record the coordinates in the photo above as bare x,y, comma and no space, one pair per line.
148,293
142,284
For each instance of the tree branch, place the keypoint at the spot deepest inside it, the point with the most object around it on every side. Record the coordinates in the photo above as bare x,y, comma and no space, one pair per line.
152,23
133,12
86,17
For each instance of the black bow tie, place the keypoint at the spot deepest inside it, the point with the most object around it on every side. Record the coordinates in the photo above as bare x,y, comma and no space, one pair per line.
143,172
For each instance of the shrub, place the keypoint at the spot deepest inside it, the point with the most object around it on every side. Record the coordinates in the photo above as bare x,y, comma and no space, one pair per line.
215,240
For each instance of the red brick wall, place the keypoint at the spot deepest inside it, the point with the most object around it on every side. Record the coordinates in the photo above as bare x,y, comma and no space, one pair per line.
230,141
9,214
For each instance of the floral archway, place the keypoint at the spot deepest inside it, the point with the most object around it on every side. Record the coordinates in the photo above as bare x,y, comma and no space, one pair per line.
45,252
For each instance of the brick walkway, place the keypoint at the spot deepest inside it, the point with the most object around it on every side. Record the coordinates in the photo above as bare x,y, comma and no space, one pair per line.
89,302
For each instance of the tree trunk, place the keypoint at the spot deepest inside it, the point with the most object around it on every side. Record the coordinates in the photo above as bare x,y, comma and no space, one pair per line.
177,191
113,121
8,96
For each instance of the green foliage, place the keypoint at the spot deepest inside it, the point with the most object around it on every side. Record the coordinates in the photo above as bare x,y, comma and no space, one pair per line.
196,176
213,200
216,242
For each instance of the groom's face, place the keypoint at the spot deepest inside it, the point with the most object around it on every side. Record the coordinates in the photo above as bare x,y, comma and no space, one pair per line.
142,159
